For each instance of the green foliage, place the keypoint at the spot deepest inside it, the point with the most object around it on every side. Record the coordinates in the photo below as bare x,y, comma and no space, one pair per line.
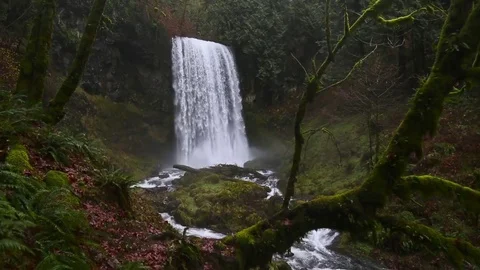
61,145
183,256
265,33
117,184
15,117
43,224
133,266
18,158
13,223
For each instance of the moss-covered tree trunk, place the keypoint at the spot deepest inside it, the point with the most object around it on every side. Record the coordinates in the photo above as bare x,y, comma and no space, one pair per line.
55,108
308,96
33,68
356,210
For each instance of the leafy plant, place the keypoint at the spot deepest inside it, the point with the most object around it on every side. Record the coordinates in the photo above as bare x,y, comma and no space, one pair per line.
15,117
116,183
61,145
133,266
41,223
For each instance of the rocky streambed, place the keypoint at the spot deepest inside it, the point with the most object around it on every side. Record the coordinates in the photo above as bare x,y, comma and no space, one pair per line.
216,201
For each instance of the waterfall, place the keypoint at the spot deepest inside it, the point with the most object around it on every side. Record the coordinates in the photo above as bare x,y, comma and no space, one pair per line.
208,123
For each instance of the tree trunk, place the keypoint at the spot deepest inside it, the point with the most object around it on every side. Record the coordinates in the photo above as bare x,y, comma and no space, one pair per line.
311,90
55,108
33,69
357,210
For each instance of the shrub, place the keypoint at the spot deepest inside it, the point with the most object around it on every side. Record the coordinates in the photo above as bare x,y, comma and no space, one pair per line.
49,217
61,145
15,117
116,183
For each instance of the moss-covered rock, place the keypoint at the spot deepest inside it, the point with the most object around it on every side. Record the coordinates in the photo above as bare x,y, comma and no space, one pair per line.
281,265
56,179
222,204
18,158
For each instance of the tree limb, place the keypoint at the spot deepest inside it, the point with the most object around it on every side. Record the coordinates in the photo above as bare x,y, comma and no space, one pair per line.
55,107
401,20
356,209
257,244
310,91
355,66
430,185
457,250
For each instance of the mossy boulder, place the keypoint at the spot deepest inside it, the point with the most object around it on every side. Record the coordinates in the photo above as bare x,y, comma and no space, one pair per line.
18,158
56,179
222,204
280,265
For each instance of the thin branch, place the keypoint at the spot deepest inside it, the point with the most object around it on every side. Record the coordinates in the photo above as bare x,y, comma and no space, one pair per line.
298,61
21,16
357,64
346,21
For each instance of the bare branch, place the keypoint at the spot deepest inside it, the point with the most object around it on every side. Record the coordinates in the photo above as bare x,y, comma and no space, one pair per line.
298,61
346,21
357,64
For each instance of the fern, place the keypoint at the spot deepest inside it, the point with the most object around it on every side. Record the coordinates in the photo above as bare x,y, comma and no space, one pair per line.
55,215
117,183
133,266
15,118
61,145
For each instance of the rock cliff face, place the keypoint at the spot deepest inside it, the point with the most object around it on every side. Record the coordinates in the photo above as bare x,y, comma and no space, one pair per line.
130,61
125,98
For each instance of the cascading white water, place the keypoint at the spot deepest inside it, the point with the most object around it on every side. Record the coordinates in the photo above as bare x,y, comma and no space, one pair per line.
208,123
210,130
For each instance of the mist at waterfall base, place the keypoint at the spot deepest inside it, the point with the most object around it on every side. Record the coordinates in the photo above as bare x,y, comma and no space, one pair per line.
210,130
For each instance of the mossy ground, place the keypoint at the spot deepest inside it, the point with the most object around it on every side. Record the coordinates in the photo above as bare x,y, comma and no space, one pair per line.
18,158
56,179
222,204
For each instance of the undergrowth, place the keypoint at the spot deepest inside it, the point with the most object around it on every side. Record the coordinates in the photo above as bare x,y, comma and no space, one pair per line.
117,184
39,225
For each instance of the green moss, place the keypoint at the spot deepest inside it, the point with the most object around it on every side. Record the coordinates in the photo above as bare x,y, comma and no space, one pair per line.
431,185
223,204
56,179
18,158
33,69
279,266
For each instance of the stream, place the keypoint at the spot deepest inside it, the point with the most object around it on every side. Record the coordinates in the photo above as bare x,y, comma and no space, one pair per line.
312,252
210,129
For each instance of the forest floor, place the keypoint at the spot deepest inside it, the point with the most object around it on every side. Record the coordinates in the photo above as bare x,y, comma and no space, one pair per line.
120,238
